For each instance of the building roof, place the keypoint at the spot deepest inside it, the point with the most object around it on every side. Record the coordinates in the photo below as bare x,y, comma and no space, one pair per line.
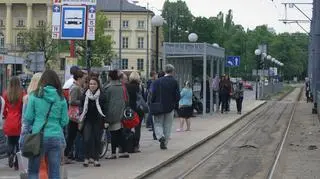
114,6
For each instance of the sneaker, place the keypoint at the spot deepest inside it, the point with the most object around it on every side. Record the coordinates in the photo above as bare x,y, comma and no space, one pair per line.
86,163
10,160
163,143
96,164
124,155
179,130
112,157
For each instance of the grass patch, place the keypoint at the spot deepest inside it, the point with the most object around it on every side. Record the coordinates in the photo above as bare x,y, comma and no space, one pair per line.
286,89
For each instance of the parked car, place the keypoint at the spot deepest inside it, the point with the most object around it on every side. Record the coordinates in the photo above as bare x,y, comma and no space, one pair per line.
247,85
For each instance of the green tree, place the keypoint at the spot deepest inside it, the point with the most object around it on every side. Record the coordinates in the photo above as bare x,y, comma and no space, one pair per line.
290,49
101,47
39,39
178,19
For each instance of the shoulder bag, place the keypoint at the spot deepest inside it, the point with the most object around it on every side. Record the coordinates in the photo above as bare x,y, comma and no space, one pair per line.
141,103
130,118
156,108
33,142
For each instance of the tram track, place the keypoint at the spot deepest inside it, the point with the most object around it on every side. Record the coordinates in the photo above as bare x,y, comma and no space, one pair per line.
188,164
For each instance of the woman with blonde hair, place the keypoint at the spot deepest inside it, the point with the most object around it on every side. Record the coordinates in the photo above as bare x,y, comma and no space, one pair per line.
134,89
12,117
25,128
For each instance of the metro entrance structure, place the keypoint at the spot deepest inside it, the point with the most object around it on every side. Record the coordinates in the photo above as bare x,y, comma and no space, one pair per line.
182,56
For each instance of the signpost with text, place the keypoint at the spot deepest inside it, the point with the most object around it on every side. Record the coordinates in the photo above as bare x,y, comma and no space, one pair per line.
75,20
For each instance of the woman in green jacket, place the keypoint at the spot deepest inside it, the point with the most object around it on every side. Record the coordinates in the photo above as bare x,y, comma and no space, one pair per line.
49,92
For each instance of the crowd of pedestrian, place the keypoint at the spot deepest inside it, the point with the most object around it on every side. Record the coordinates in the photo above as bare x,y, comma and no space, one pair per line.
75,115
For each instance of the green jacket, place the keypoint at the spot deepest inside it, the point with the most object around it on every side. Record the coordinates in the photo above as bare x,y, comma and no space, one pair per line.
38,107
114,105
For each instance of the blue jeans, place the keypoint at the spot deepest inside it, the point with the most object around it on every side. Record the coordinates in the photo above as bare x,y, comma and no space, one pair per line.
53,151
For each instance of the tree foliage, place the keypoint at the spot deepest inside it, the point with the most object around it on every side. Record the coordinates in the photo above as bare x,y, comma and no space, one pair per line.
290,49
101,47
40,40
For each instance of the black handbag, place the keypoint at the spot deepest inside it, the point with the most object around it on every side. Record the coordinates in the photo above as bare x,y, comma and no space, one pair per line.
156,108
33,142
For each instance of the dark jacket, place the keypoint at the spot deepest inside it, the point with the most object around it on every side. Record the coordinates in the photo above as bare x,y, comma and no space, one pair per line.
166,90
93,114
133,88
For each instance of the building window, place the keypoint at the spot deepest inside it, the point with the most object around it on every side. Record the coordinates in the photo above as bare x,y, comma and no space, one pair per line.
124,64
108,24
20,40
125,24
20,23
125,42
40,23
140,64
1,40
140,24
1,23
140,42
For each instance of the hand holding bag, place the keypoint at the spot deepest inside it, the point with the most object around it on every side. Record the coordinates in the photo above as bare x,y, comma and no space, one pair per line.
74,113
33,142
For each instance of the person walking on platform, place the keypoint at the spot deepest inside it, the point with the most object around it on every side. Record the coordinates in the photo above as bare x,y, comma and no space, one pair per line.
238,95
92,119
47,100
165,98
185,107
13,98
225,88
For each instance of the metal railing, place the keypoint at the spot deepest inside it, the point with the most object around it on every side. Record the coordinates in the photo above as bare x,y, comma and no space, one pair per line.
270,89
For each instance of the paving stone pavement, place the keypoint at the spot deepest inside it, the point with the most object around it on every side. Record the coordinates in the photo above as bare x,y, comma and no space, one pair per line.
151,155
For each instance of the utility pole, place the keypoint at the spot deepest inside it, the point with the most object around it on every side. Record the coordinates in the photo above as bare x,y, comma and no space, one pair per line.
120,33
148,60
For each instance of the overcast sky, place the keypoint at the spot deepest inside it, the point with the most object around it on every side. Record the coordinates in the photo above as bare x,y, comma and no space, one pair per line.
248,13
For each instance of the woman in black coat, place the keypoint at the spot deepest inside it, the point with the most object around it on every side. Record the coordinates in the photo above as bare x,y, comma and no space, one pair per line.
134,88
92,120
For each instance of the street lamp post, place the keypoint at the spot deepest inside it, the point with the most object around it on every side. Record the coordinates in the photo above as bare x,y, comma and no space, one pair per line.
257,52
157,21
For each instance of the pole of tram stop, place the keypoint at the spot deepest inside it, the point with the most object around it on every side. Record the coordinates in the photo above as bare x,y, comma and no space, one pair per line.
88,55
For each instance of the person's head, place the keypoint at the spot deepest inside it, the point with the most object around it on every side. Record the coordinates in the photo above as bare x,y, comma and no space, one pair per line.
94,84
123,77
187,84
153,75
134,76
169,69
114,75
14,90
223,77
79,77
34,82
161,74
74,69
49,78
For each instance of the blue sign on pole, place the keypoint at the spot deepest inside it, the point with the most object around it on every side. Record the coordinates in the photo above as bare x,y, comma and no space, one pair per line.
73,22
233,61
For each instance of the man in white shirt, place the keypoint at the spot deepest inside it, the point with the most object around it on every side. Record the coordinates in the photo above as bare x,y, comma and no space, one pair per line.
69,82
